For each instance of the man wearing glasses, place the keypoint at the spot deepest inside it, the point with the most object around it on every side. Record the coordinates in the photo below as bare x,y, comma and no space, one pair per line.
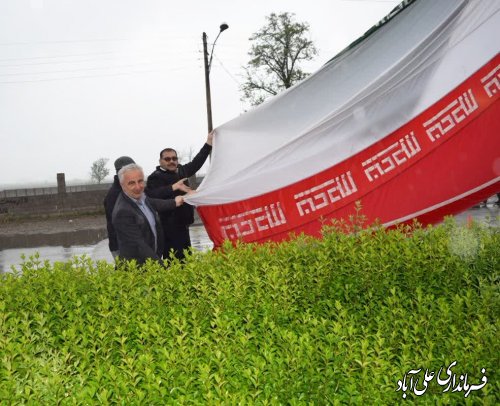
170,180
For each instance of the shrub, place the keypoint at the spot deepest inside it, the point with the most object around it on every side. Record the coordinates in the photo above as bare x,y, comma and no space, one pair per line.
332,321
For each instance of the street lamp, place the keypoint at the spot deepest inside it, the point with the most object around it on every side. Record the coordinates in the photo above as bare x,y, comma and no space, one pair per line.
208,65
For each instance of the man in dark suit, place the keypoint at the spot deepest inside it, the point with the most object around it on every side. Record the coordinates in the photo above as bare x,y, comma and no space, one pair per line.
164,183
135,218
109,203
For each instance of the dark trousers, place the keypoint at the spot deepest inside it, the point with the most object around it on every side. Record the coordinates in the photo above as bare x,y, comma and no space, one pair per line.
177,239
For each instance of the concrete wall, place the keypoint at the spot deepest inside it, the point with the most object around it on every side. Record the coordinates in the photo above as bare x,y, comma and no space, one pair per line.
53,190
32,203
29,206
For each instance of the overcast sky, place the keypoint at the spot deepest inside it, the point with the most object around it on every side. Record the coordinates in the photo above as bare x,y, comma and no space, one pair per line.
84,79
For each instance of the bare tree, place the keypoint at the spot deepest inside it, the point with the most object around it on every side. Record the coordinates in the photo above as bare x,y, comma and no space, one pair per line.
186,155
98,170
276,52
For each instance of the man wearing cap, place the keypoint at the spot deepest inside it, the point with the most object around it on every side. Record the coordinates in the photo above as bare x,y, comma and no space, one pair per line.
110,200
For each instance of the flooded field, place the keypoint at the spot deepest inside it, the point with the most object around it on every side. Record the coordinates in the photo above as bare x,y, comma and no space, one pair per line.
99,251
199,238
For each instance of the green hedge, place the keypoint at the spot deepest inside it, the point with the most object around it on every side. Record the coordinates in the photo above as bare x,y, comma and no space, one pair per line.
332,321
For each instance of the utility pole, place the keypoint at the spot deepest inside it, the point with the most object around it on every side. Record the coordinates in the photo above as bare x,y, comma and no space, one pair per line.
208,65
207,83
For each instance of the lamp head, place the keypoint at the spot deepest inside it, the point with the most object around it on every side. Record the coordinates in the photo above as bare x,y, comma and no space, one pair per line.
223,27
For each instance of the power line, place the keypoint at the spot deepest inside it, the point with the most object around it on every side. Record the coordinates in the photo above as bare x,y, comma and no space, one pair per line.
93,76
153,59
227,71
99,40
75,70
54,56
116,54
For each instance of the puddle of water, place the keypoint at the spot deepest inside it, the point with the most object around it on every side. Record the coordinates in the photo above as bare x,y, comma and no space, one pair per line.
12,257
65,238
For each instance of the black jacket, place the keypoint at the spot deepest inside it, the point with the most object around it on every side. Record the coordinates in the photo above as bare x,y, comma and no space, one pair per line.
134,235
159,185
109,204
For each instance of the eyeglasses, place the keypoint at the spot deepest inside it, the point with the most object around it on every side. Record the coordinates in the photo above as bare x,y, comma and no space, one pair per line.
170,158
